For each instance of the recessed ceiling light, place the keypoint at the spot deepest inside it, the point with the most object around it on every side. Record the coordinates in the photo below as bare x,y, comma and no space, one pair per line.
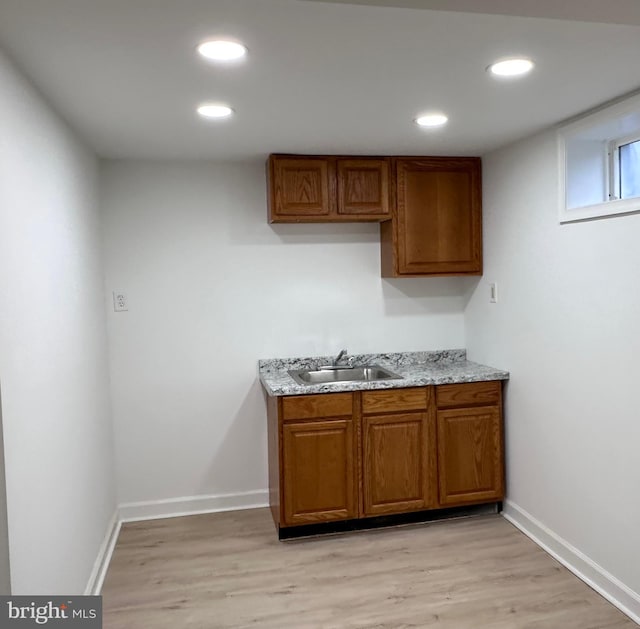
431,120
511,67
222,50
211,110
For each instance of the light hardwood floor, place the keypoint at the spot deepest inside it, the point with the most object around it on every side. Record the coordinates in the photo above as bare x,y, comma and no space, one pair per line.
229,570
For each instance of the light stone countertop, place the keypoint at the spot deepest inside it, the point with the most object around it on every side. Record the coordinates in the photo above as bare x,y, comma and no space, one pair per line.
416,368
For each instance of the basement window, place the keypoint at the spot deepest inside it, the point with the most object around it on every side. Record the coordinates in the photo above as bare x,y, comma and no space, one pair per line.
599,163
624,165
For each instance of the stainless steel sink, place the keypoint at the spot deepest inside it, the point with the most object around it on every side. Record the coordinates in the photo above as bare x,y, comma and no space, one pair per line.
325,375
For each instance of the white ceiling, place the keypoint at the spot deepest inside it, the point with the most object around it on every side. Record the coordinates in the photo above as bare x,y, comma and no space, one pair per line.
610,12
321,77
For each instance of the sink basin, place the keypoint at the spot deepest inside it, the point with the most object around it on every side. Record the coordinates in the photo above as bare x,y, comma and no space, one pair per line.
370,373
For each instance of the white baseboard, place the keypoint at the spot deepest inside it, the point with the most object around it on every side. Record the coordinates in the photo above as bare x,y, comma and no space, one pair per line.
96,579
611,588
192,505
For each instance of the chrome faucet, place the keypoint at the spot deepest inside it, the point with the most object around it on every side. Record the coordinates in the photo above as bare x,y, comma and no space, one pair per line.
342,354
335,363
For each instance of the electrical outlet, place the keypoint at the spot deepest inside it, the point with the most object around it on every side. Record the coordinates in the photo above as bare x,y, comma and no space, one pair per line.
493,293
119,302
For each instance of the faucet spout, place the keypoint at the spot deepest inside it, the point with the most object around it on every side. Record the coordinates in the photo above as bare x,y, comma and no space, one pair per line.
342,354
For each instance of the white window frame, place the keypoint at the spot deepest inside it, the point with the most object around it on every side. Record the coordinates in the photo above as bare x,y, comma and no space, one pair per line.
613,162
614,206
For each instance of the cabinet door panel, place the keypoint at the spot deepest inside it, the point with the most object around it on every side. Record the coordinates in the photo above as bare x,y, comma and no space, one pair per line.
363,186
302,187
439,221
398,449
470,461
319,471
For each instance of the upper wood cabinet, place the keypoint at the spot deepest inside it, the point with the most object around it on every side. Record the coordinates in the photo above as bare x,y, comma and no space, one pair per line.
363,188
430,208
437,226
301,188
328,189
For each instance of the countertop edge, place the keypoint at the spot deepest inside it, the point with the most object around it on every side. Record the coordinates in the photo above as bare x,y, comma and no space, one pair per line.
406,382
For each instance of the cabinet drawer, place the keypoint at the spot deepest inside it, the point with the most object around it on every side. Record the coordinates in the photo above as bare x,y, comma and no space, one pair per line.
390,400
321,405
469,394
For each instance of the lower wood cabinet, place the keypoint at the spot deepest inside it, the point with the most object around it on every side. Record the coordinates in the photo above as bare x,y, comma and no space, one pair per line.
398,444
469,455
346,456
319,471
396,463
470,443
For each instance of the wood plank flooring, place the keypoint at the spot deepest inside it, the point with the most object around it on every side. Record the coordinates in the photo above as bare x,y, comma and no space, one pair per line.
229,570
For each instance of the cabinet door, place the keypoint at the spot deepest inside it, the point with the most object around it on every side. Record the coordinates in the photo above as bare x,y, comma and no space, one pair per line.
363,187
439,216
398,451
319,471
470,461
301,188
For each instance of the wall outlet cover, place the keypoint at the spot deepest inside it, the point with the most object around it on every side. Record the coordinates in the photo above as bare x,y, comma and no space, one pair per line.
119,302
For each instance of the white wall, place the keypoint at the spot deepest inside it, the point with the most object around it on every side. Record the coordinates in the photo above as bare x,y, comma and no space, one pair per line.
53,349
567,328
212,287
5,570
